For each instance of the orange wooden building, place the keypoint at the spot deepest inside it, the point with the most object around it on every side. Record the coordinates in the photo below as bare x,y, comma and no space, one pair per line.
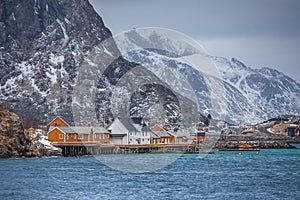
160,135
61,131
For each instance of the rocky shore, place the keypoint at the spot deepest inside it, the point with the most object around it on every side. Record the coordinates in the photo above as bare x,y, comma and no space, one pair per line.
256,140
13,140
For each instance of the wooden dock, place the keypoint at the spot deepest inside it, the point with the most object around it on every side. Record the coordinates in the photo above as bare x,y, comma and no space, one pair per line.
92,148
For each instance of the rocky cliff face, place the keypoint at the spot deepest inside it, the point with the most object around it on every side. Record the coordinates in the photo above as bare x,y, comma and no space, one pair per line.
47,50
13,141
42,43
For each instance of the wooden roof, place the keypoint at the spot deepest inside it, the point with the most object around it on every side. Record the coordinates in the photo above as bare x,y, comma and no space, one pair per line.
99,129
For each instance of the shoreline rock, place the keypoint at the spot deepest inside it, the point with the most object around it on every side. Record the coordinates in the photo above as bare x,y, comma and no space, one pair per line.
13,141
256,140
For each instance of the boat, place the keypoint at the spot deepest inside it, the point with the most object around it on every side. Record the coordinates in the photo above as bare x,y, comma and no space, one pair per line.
243,147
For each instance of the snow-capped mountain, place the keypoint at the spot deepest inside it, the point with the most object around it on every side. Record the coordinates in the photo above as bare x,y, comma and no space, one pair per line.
251,95
269,92
58,58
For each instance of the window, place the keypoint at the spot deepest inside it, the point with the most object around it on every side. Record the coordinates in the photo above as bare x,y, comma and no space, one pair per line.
61,136
130,139
80,137
148,139
143,140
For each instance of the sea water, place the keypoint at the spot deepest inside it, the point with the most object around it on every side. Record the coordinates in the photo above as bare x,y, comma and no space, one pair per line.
268,174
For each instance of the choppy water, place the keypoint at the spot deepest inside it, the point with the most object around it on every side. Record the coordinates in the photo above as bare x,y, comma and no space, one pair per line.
272,174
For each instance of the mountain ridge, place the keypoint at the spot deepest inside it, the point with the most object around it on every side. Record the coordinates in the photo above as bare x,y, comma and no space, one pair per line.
45,43
252,94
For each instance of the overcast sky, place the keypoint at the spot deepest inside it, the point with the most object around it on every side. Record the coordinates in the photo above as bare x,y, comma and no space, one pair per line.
260,33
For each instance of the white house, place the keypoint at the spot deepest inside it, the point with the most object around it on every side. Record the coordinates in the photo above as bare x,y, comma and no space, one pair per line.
129,131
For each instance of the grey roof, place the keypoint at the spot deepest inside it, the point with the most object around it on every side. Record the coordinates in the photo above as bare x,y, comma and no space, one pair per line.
152,135
128,123
99,129
146,128
161,133
82,129
180,133
65,129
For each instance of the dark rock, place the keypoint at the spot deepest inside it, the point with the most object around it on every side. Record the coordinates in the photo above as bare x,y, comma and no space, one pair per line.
14,143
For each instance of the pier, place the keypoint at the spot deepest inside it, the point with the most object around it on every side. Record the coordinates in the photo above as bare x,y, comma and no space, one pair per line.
79,149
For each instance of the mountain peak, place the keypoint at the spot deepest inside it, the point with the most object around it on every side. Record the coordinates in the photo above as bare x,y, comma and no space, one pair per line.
239,63
22,22
270,72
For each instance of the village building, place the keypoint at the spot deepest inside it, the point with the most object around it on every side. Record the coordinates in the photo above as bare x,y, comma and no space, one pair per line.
163,136
294,131
178,136
61,131
124,130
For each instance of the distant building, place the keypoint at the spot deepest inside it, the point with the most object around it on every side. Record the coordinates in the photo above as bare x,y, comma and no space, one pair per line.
293,131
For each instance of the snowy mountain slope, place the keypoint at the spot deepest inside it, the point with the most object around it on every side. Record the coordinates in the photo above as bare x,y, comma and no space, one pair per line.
252,95
54,60
271,92
42,44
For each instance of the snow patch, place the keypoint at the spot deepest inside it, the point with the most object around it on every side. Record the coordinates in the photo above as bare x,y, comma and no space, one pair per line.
67,20
63,29
107,52
25,68
44,140
270,130
56,59
13,16
52,75
91,63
